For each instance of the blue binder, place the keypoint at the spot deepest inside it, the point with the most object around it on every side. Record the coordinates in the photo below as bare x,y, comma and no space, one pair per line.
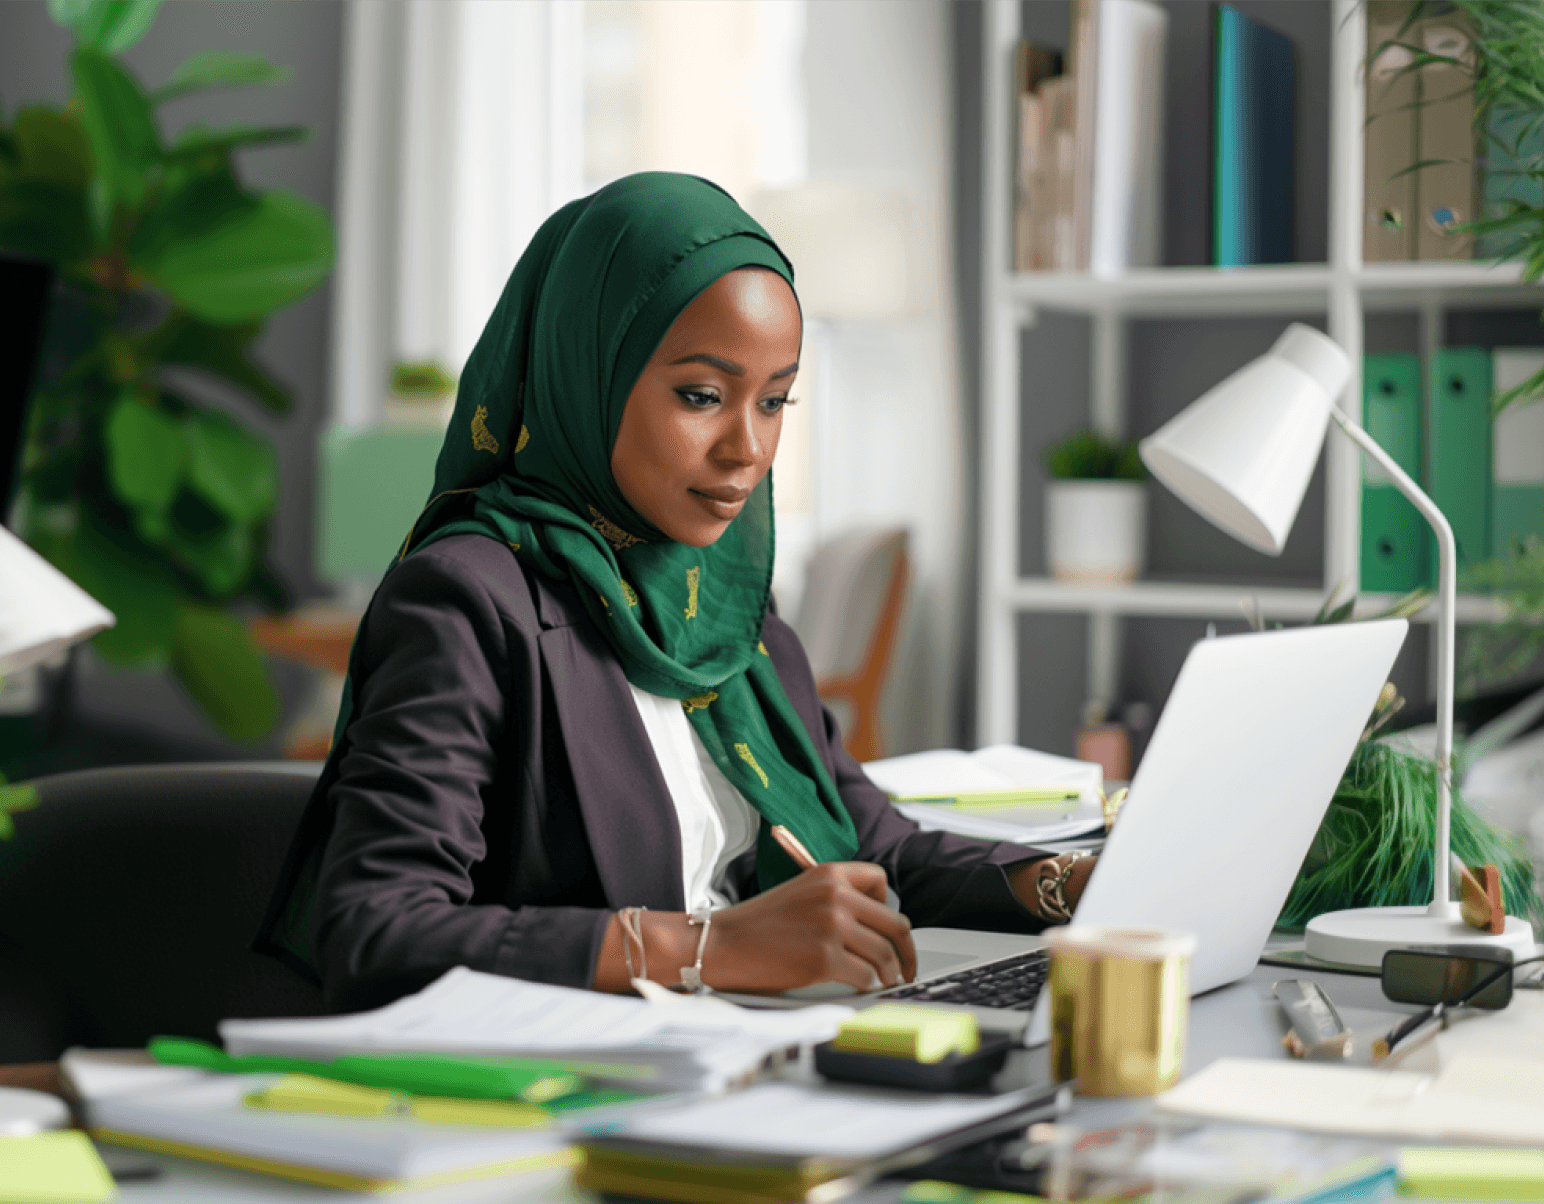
1394,535
1254,94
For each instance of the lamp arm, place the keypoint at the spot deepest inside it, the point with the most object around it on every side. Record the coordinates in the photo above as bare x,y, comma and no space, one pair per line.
1442,905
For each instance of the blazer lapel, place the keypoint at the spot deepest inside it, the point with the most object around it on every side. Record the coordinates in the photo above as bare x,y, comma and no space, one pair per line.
627,808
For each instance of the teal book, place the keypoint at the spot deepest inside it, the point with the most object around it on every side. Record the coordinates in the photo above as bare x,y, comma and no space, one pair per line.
1517,460
1461,449
1394,535
1511,151
1254,141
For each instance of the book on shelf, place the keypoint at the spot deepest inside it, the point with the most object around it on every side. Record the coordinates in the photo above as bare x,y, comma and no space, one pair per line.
1034,179
1117,184
1394,535
1513,142
1254,141
1390,147
1445,185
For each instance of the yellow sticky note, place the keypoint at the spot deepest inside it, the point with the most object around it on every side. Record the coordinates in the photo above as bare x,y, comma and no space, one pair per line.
906,1030
309,1093
496,1113
1480,1173
53,1168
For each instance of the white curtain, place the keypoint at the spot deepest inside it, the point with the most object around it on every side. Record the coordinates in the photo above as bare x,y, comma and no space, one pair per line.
462,132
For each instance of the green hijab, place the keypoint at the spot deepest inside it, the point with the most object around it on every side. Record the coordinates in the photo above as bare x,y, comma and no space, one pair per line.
527,462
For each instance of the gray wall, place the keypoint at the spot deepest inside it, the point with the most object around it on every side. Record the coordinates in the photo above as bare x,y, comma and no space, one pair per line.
1170,363
306,37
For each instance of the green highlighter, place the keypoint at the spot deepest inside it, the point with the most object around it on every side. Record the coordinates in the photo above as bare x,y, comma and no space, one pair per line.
534,1081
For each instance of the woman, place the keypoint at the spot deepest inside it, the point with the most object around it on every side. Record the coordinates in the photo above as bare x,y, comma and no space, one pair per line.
573,718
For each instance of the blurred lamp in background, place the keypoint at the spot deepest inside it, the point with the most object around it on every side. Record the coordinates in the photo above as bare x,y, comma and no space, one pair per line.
42,612
1241,456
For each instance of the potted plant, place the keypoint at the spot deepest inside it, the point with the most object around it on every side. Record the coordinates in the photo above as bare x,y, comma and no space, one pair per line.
154,500
1095,509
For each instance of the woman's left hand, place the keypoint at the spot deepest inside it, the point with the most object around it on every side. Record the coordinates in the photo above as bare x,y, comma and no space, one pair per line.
1025,882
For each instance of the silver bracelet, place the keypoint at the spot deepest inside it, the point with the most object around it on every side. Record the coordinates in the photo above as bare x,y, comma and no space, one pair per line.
691,976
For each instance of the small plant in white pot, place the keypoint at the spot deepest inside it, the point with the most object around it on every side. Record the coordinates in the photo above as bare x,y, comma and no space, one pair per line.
1095,509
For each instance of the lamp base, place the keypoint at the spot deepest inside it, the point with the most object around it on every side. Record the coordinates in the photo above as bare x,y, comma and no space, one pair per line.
1361,936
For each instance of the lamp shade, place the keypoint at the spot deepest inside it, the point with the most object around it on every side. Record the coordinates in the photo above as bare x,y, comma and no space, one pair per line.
41,610
1241,454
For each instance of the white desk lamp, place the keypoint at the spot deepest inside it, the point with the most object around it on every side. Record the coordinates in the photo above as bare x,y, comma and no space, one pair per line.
1241,455
41,610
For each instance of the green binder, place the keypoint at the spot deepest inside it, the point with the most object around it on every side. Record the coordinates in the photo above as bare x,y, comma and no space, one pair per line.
1394,535
1461,449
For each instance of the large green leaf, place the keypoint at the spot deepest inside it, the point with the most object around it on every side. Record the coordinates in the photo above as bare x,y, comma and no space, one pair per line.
201,140
235,472
132,582
48,221
221,666
221,350
196,199
219,69
18,796
249,265
51,147
147,454
110,25
118,121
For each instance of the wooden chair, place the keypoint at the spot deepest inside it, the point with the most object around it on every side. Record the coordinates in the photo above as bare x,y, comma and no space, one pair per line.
850,621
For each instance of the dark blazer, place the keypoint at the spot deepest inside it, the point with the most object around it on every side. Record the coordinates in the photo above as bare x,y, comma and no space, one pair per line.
497,797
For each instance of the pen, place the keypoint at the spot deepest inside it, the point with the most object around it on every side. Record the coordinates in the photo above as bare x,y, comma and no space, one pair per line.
790,844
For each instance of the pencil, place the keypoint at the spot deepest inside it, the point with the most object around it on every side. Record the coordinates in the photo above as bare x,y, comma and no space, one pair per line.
790,845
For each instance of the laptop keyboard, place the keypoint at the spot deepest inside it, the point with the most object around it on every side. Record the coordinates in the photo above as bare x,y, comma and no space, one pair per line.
1012,983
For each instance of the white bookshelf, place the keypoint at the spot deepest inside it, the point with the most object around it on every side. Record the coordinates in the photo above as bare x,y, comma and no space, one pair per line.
1344,289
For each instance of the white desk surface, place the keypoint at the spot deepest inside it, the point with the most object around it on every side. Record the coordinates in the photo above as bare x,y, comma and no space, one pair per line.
1241,1020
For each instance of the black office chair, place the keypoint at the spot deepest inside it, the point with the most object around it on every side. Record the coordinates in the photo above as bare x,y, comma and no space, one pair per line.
128,897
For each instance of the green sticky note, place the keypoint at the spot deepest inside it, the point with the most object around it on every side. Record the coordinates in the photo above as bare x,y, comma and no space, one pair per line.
901,1030
53,1168
1471,1173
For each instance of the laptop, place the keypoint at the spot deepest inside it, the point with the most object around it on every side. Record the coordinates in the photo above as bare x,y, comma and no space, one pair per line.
1239,773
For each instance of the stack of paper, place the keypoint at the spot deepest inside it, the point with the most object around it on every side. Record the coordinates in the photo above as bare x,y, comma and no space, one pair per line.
1002,792
689,1043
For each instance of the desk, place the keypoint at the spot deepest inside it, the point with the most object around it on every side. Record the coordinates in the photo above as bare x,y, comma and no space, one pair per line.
1242,1020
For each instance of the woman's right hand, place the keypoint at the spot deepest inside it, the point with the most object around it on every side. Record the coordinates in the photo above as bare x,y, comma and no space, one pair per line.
827,924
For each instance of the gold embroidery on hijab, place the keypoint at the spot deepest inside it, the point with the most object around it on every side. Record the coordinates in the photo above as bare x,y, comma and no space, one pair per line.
749,758
700,702
693,576
482,438
525,437
610,532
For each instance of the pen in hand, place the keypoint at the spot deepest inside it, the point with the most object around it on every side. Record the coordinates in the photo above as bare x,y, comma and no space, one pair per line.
791,845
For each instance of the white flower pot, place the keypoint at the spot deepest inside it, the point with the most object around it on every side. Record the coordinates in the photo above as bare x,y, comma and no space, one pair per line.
1096,530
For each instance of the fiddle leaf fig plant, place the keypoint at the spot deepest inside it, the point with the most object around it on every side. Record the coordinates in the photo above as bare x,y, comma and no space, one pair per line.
147,494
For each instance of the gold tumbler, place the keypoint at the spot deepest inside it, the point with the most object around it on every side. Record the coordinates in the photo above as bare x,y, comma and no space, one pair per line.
1119,1002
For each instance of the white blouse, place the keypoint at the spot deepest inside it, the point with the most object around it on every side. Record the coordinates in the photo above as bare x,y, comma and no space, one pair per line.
716,822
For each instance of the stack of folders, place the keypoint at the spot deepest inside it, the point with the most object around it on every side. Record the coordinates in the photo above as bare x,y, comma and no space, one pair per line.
790,1141
1421,110
1485,473
1002,792
1090,160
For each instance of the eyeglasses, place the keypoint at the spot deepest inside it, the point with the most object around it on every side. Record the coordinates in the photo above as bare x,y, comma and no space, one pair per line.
1445,977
